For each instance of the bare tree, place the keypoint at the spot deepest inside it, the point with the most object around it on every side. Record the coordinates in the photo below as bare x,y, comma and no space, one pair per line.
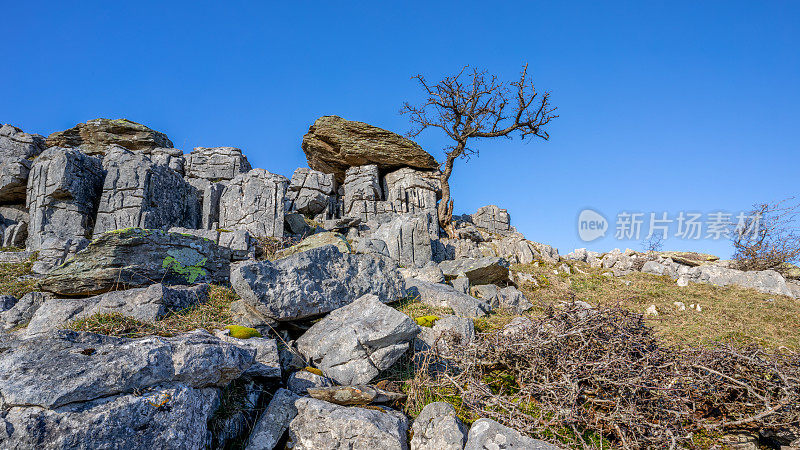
477,105
767,237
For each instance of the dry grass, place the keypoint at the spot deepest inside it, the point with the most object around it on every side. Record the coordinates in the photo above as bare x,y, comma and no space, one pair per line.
214,314
729,314
15,278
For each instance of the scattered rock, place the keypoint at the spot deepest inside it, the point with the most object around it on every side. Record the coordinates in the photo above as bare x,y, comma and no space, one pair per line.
95,136
444,296
489,270
320,425
651,311
137,257
438,428
512,299
332,145
315,282
356,342
488,434
274,422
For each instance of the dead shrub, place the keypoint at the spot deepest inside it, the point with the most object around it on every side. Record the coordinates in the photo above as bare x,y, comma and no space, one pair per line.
767,237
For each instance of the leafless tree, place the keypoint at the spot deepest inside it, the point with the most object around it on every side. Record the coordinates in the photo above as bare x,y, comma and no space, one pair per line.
767,237
474,104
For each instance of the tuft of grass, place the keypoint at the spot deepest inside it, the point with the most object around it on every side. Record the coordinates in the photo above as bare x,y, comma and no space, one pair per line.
415,308
16,278
214,314
729,314
12,249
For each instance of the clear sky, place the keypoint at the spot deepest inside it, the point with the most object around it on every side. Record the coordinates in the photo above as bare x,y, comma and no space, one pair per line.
665,106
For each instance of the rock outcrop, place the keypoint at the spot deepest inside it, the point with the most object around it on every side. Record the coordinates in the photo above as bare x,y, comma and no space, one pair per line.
95,136
332,145
253,201
311,192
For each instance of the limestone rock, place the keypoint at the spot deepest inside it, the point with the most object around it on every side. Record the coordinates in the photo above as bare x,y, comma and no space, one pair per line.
143,304
267,361
320,425
429,272
139,193
438,428
444,296
490,270
238,242
13,179
315,282
493,219
354,395
136,257
412,191
22,311
78,367
311,192
94,136
274,421
129,421
486,434
63,190
302,380
354,343
216,163
315,241
15,143
7,302
362,192
488,293
459,331
408,240
253,201
332,145
514,300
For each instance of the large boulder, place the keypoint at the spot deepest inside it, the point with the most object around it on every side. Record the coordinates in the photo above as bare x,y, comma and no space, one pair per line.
140,193
333,144
311,192
445,296
15,143
320,425
216,163
315,282
136,257
486,434
253,201
438,428
493,219
173,417
767,281
62,195
353,344
143,304
95,136
65,367
488,270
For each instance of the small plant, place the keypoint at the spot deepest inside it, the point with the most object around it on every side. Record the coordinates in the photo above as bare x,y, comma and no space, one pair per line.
426,321
240,332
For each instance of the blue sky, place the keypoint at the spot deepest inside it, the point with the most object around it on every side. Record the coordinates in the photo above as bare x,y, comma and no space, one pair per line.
665,106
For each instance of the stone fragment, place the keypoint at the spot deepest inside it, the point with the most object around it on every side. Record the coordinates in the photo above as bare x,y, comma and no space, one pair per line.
354,395
437,427
332,145
95,136
320,425
315,282
273,422
489,270
353,344
302,380
253,201
488,434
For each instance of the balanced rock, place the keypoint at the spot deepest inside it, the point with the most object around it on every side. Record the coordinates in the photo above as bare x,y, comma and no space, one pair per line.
320,425
333,144
353,344
136,257
438,428
253,201
95,136
315,282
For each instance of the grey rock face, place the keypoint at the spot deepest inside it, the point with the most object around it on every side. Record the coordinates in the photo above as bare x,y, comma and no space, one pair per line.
15,143
315,282
438,428
408,240
136,258
300,381
7,302
169,157
372,246
311,192
22,311
511,298
273,422
493,219
253,201
354,343
412,191
139,193
429,272
490,270
78,367
212,193
95,136
444,296
488,434
13,179
143,304
119,422
238,242
63,190
267,361
216,163
315,241
488,293
362,192
320,425
13,228
332,145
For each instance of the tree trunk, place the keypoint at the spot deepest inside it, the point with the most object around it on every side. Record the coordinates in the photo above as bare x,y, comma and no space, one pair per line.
445,208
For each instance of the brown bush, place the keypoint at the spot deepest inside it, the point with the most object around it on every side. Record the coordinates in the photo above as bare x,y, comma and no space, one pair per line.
768,238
